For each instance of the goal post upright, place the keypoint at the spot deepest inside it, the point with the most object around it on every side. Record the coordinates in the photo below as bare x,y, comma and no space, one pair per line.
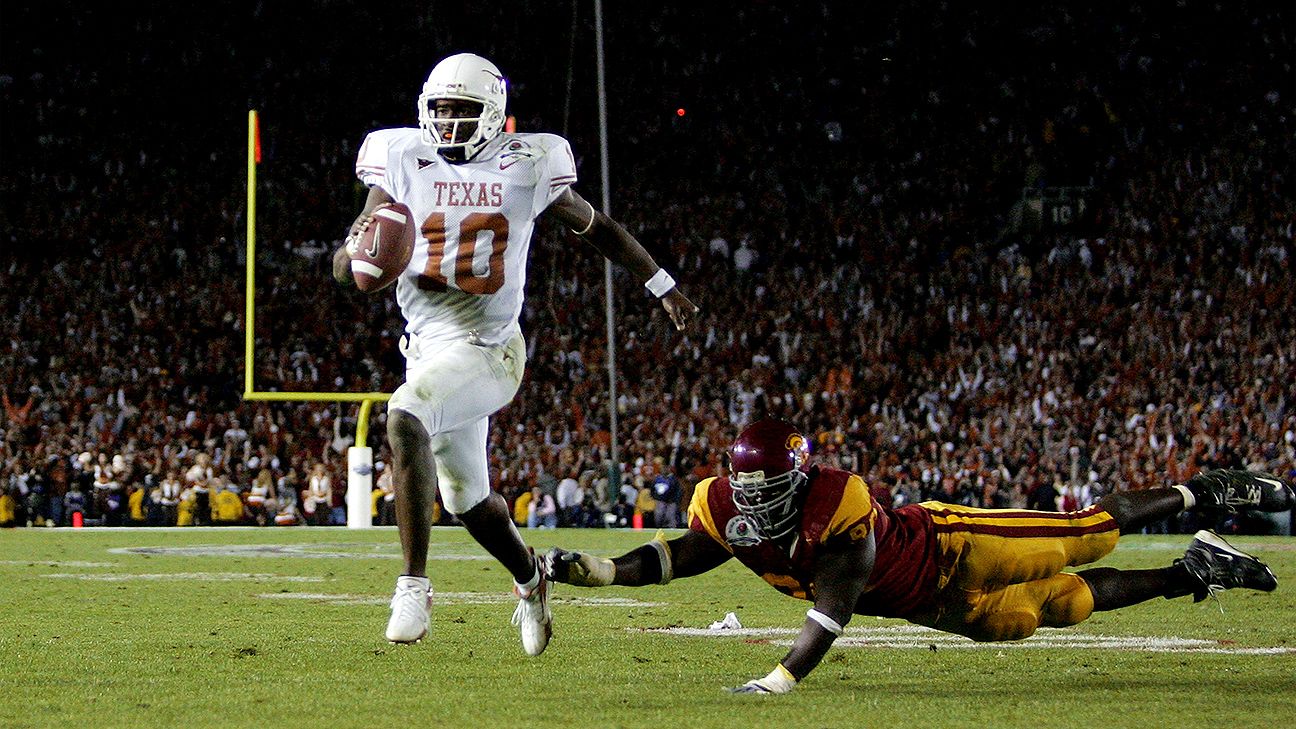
359,456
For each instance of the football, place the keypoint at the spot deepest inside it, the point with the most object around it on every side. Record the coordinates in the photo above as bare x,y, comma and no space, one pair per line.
384,248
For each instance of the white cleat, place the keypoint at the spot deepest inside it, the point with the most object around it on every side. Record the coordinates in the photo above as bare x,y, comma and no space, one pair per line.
532,615
411,608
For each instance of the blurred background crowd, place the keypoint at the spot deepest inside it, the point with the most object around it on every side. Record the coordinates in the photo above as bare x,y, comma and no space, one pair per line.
846,194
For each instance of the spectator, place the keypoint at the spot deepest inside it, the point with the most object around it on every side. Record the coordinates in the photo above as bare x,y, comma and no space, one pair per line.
317,502
155,511
386,500
200,509
666,495
261,498
170,497
288,514
569,497
8,508
74,502
227,507
542,511
645,506
523,508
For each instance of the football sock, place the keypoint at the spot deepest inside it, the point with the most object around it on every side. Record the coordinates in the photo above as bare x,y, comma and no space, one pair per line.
530,584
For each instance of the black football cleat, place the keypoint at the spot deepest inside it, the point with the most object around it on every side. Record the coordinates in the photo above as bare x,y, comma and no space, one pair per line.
1233,489
1218,565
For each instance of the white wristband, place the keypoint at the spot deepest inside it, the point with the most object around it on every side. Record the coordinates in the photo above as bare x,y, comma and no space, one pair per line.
660,284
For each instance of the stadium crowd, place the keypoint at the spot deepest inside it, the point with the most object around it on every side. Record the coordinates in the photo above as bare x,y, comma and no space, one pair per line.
842,214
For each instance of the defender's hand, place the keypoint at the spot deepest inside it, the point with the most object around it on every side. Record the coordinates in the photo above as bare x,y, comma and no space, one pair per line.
576,568
680,309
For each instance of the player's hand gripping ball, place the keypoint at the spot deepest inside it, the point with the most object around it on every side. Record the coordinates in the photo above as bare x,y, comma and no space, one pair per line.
382,249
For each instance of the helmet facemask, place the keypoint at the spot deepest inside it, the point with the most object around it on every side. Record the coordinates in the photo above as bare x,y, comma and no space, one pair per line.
769,505
463,77
467,133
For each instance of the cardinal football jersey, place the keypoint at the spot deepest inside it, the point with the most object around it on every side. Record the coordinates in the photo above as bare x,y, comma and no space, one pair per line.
475,220
838,507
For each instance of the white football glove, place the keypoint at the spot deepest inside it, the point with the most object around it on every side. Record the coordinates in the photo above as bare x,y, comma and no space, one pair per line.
779,681
577,568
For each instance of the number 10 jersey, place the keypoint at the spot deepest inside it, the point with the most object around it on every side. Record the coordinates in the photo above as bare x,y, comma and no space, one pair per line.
475,220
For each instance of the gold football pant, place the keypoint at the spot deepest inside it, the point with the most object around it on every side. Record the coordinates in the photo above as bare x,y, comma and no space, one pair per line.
1001,570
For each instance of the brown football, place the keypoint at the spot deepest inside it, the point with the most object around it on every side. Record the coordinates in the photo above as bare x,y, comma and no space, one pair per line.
384,249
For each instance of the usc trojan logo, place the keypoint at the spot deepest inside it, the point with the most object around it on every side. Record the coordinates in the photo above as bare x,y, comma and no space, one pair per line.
796,445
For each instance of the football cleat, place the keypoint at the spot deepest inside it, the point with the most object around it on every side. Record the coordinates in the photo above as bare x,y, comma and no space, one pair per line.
1219,566
411,608
1231,489
532,615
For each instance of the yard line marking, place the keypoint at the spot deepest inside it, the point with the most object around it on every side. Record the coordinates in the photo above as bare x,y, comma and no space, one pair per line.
208,576
56,563
919,638
300,551
458,598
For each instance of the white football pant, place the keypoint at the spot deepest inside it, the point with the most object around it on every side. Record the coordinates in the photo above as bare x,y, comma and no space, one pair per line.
453,391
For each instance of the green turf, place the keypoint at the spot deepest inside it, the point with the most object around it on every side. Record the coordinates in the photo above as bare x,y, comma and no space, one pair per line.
196,651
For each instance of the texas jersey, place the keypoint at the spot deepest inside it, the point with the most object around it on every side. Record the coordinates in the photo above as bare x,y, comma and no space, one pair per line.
468,270
837,507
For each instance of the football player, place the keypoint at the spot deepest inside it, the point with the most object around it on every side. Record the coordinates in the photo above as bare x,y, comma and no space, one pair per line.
989,574
476,192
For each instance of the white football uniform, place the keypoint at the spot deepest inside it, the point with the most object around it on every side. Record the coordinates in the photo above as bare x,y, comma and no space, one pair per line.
461,293
468,270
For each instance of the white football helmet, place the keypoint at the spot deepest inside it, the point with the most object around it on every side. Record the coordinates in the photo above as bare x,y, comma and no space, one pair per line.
465,77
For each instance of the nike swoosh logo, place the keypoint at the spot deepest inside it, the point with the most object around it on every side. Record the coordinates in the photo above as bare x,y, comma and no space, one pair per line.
510,163
373,251
1276,484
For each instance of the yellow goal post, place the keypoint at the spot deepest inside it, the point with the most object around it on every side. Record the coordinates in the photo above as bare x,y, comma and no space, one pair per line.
359,457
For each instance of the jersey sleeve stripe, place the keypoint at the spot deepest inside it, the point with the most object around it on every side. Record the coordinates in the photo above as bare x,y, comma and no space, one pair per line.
700,509
856,505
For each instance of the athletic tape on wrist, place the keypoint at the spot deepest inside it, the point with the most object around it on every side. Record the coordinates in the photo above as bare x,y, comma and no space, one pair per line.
781,679
663,553
660,284
825,622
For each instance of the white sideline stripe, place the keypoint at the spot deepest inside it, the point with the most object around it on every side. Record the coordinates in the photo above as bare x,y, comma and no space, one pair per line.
290,551
359,266
459,598
391,215
56,563
205,576
917,637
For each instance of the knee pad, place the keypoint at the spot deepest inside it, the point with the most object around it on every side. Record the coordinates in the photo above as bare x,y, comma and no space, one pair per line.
1004,625
1070,601
457,499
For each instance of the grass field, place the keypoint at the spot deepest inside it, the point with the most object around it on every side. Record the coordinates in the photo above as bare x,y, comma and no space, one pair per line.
283,628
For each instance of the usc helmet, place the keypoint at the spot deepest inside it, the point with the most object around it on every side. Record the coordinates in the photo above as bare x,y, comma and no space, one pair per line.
767,467
463,77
